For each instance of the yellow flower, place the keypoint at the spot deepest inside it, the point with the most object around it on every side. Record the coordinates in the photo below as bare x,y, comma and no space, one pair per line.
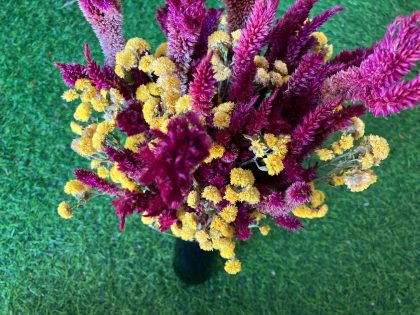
70,95
235,36
265,229
64,210
302,211
176,230
274,163
142,93
127,183
83,112
346,142
76,128
150,109
360,180
202,236
115,174
231,195
359,128
161,50
221,120
138,45
229,213
100,104
271,140
380,147
183,104
337,148
317,198
103,172
258,148
211,193
226,107
322,211
147,219
233,266
104,128
227,252
325,154
216,151
218,38
126,59
82,84
189,220
169,83
187,234
206,245
257,216
222,73
321,38
193,199
95,164
262,77
133,142
74,187
250,195
328,52
145,63
162,66
154,89
89,94
83,145
119,71
116,96
337,180
241,177
261,62
281,67
221,243
367,161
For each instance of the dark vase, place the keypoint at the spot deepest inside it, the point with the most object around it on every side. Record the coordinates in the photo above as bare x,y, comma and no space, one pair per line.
191,264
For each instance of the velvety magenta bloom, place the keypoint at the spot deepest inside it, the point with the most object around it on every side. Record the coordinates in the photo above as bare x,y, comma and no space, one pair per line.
184,22
91,179
289,222
127,204
238,12
242,222
128,161
302,42
215,173
174,158
259,119
253,38
72,72
106,20
131,120
379,80
298,193
286,28
202,88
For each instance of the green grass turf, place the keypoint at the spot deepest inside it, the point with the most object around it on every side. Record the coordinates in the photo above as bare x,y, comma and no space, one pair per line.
360,259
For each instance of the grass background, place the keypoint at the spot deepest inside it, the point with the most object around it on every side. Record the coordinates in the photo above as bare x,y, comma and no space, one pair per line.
361,259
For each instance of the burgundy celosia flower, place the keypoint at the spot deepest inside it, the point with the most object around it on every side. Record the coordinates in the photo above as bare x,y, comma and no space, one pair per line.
215,173
106,20
91,179
298,193
131,120
253,38
127,204
378,81
286,28
242,222
202,88
238,12
128,161
72,72
184,21
289,222
174,158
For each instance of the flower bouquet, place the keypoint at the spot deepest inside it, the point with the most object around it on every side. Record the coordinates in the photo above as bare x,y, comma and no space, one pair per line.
234,121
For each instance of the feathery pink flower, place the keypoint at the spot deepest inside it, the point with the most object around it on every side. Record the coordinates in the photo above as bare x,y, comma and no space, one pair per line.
106,20
238,12
91,179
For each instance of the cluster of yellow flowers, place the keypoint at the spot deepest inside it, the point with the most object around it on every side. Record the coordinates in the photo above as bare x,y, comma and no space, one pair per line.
315,208
221,42
354,163
323,45
272,150
277,77
215,230
221,118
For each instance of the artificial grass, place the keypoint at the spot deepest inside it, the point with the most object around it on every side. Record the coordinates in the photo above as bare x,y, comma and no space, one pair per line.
361,259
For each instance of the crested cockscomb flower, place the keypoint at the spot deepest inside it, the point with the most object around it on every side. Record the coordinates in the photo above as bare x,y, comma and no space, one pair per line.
106,20
378,81
227,124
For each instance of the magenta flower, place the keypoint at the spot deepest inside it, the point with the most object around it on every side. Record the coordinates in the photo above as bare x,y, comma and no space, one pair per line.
106,20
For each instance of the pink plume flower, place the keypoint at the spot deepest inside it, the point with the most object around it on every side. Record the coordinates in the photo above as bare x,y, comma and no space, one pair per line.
106,20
